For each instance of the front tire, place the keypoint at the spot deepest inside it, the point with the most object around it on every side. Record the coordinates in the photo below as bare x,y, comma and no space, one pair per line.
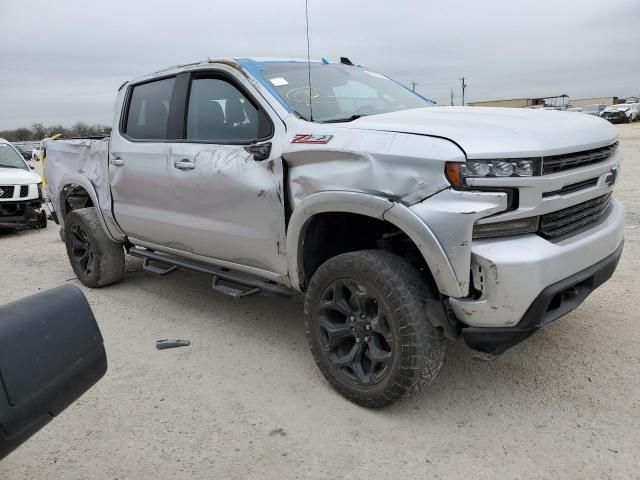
367,327
96,260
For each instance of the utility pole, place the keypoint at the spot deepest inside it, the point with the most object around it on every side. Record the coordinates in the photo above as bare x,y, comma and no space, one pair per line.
452,97
464,86
413,86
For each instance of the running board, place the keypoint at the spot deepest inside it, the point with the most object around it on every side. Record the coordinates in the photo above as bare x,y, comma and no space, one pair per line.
252,286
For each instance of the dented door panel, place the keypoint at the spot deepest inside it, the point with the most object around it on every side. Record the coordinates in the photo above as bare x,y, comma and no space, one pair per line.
229,206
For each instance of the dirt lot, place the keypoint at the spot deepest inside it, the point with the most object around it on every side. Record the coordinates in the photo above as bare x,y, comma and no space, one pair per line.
245,400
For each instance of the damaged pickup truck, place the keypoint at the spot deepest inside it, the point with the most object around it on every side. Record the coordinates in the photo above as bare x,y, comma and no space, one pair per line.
403,224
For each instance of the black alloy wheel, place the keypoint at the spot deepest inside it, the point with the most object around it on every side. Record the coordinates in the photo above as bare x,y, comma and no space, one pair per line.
96,259
367,327
82,253
354,332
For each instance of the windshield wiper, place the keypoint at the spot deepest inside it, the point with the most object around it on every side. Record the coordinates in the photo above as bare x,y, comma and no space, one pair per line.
346,119
8,166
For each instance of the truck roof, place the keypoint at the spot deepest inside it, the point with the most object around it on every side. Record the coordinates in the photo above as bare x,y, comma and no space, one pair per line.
234,62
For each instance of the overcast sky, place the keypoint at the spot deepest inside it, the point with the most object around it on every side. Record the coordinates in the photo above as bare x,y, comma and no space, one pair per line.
63,61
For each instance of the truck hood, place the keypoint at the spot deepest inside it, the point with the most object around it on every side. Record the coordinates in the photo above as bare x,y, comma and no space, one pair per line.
485,132
16,176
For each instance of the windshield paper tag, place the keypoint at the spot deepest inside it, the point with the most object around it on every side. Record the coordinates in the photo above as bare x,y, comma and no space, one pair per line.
278,81
309,138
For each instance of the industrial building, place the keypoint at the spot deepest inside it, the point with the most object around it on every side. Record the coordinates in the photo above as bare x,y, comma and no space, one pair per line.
510,102
554,101
583,102
551,101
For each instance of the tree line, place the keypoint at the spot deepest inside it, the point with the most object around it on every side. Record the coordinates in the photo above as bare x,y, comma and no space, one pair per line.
38,131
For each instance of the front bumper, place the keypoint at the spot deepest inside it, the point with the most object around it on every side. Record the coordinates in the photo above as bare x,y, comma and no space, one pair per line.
509,273
553,302
21,214
616,118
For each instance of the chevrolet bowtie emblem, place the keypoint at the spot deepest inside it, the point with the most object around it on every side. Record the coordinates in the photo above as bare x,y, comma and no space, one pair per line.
612,177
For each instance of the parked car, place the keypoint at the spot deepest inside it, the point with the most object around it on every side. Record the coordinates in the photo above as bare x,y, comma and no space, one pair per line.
620,113
403,224
25,152
595,109
36,153
21,194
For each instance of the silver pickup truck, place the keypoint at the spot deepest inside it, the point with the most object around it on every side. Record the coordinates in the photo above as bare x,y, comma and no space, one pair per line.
403,224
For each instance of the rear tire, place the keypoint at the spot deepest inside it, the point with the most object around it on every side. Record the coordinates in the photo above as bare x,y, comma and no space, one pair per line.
367,327
96,260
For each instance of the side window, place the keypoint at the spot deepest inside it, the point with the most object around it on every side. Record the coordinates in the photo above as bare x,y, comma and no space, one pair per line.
219,112
149,110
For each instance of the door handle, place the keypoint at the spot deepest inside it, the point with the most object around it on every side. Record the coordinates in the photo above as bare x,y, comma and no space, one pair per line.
116,161
184,164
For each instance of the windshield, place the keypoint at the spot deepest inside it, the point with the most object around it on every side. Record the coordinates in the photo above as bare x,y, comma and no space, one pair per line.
339,92
9,158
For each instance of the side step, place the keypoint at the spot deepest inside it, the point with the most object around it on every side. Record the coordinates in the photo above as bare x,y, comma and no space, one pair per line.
252,286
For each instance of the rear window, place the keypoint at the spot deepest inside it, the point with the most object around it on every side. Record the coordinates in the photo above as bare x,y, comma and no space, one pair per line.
148,113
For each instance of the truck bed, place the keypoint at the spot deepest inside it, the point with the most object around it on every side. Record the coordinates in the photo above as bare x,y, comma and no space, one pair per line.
75,161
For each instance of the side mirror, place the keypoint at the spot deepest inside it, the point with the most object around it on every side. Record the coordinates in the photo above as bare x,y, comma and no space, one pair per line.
26,155
51,352
31,167
260,151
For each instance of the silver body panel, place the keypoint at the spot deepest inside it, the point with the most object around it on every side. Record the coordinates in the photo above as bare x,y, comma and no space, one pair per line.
229,210
515,270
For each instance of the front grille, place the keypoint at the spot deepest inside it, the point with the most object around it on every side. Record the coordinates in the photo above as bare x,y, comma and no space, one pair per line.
6,191
566,161
574,187
24,191
562,222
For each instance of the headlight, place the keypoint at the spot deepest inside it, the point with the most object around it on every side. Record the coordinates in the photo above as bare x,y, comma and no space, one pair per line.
457,173
510,227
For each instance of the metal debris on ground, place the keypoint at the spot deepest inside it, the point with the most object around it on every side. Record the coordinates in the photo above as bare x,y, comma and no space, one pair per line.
167,343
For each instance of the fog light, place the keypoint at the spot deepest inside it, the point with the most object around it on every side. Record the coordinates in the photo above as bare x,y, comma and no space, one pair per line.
510,227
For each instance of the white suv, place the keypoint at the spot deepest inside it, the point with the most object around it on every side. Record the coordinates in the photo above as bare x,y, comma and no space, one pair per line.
21,194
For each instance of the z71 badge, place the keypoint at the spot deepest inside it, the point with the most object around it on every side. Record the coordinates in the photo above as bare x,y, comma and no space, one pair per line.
309,138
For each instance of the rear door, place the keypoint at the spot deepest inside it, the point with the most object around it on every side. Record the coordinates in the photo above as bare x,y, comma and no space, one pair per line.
138,162
226,174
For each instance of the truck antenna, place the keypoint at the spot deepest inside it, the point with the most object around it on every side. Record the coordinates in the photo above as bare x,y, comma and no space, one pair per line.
306,11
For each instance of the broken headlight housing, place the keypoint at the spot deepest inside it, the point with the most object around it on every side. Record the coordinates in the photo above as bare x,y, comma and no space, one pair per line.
457,173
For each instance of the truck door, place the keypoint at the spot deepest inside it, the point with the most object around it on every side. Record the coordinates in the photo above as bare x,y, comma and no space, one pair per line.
226,175
195,170
138,159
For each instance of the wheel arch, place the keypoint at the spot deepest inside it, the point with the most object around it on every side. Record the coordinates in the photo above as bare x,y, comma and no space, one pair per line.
374,207
78,192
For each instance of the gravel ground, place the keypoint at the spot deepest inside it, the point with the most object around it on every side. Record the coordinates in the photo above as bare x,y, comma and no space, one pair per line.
245,400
